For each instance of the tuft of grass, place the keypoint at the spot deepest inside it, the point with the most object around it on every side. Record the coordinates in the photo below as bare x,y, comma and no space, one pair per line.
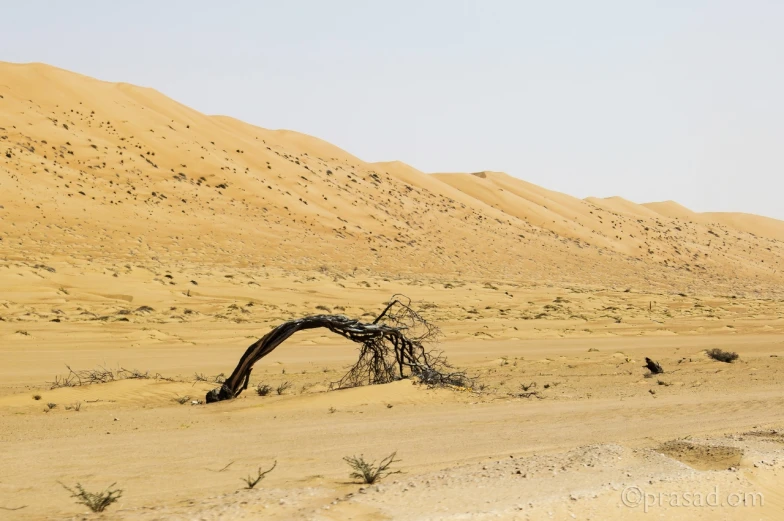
76,407
721,355
51,405
251,481
263,389
283,387
369,473
36,397
97,502
527,392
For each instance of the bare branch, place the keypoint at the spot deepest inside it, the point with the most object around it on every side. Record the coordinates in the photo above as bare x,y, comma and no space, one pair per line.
391,349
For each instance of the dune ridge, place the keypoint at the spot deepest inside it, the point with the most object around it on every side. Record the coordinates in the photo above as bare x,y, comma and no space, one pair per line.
110,170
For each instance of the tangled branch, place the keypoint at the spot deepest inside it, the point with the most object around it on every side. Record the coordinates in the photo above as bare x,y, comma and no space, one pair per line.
392,348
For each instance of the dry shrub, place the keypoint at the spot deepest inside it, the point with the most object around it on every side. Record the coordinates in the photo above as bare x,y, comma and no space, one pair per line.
721,355
369,473
97,502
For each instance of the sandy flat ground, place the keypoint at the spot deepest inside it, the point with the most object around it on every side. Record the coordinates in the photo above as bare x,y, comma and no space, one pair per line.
597,427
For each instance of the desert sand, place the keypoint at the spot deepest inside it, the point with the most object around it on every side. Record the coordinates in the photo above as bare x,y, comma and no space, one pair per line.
139,234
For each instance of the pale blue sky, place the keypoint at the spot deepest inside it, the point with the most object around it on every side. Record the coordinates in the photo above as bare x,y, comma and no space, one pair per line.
678,100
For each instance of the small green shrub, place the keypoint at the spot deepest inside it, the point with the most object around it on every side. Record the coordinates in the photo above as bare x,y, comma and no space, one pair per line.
369,473
282,387
96,502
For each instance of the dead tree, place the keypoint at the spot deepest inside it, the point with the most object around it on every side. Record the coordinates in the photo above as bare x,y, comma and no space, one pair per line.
391,349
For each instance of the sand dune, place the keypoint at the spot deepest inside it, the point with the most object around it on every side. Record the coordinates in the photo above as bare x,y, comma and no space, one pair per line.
671,209
621,205
753,224
143,238
92,166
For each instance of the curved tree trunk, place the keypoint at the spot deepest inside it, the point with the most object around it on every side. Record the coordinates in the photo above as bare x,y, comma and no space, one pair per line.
385,354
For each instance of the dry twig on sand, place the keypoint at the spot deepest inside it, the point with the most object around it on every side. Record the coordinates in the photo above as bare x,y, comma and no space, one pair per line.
229,464
252,481
101,375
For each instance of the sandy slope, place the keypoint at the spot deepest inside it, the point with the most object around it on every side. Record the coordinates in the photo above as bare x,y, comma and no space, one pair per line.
114,170
753,224
137,233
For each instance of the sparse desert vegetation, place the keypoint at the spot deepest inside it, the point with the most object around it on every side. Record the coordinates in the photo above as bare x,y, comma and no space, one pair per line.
577,340
263,389
95,501
252,481
283,387
371,472
721,355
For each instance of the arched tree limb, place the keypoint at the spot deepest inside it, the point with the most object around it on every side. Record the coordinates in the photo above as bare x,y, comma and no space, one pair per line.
391,349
